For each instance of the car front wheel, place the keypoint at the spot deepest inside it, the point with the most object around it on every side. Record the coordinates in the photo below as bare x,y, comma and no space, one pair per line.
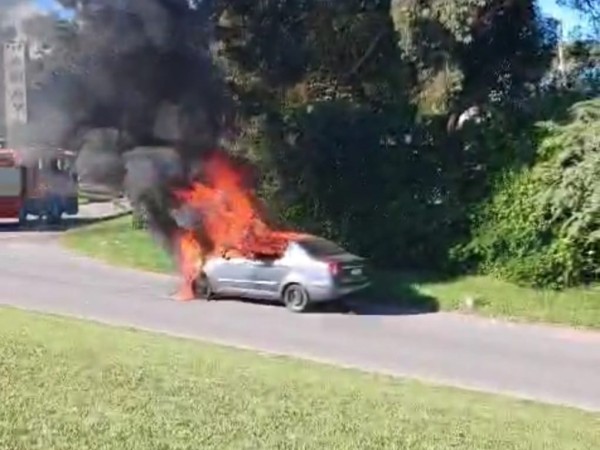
295,298
203,288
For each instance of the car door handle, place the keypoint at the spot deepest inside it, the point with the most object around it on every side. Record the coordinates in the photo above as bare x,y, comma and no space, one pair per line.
256,263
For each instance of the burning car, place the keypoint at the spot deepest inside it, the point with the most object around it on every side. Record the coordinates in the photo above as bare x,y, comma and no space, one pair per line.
310,270
228,245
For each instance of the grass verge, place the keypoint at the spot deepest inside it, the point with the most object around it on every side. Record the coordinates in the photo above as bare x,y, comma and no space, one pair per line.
117,243
577,307
74,385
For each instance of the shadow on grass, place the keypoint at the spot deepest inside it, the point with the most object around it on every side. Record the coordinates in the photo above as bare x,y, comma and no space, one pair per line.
399,291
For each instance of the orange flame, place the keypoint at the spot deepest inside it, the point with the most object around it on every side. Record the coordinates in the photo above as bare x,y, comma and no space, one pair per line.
190,257
231,221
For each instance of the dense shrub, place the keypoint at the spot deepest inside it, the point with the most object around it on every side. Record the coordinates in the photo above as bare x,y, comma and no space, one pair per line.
542,225
371,180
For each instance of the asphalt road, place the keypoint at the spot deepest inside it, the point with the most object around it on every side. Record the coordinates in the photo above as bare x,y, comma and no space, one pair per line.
548,364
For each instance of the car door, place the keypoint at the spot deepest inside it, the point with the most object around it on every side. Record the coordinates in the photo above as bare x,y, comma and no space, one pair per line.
231,276
268,274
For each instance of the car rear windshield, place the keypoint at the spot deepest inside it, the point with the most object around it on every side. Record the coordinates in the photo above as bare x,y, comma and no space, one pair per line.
318,247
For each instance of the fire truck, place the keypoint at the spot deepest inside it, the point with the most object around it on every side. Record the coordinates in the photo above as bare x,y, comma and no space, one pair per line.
38,182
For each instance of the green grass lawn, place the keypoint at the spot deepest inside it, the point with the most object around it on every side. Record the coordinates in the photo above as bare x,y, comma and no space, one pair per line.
116,242
67,384
579,307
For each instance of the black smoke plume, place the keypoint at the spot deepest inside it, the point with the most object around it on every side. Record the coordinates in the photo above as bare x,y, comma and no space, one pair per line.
132,86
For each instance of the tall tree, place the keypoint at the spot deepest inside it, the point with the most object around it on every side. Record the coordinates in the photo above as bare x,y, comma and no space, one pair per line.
464,51
590,9
329,91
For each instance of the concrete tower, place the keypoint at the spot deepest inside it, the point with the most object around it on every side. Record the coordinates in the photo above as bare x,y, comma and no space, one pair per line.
16,112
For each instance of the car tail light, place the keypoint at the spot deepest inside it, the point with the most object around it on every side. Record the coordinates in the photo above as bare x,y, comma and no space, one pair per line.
334,268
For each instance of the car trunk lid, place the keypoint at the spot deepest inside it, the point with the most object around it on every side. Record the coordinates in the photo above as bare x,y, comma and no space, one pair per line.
347,268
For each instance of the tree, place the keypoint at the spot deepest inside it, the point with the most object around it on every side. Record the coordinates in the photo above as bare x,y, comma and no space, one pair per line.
541,226
589,9
464,51
349,100
344,105
579,69
295,52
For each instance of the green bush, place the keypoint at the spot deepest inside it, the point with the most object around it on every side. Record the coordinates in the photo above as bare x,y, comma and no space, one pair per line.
402,192
364,178
542,225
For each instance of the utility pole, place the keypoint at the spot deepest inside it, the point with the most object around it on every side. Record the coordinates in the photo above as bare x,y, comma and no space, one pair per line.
561,56
15,88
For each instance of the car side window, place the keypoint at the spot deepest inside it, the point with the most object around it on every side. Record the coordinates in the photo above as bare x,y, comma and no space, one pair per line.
319,247
294,251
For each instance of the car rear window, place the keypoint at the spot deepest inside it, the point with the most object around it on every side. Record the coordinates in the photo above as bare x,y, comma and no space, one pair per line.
318,247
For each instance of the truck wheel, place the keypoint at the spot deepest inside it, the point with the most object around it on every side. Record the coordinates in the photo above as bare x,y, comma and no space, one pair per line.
295,298
22,218
53,217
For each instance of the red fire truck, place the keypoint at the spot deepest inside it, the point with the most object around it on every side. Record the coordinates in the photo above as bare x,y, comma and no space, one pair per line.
40,182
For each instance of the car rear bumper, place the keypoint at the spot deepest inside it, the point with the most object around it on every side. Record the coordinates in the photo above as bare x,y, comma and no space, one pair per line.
329,293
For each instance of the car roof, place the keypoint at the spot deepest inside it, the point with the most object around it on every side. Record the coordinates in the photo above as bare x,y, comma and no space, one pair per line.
294,236
303,237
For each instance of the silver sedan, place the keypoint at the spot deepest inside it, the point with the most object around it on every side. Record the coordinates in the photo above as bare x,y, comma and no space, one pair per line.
311,270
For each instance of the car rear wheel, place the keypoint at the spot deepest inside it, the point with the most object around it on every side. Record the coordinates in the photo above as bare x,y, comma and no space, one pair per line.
295,298
203,288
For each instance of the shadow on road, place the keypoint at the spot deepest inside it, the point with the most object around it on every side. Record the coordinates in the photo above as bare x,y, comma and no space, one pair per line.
387,300
411,302
373,307
390,295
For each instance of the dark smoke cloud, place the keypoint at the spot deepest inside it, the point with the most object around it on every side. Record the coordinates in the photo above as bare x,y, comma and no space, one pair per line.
139,68
13,13
149,172
125,75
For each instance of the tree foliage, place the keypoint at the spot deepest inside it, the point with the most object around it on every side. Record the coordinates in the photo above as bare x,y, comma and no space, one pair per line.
345,107
542,225
590,9
402,128
464,50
